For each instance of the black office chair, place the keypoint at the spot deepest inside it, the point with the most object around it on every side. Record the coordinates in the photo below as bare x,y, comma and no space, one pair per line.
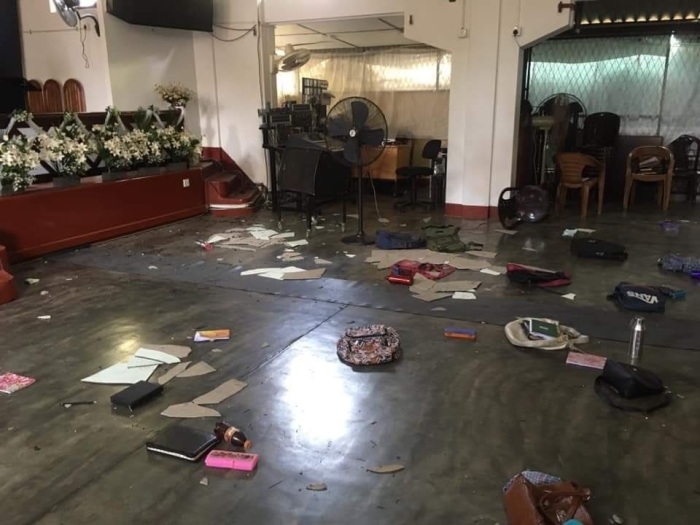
431,151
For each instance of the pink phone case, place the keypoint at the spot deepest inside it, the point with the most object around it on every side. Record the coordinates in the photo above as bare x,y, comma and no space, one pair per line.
231,460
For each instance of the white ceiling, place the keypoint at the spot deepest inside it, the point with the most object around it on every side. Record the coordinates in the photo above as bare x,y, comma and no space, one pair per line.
344,34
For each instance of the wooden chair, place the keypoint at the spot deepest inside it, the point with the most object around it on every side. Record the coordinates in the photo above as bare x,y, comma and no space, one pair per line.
571,169
53,96
73,96
650,164
35,98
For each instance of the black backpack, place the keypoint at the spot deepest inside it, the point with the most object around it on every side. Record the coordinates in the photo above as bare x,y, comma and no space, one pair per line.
589,248
631,388
639,298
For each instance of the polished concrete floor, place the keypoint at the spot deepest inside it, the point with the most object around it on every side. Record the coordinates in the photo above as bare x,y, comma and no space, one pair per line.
461,417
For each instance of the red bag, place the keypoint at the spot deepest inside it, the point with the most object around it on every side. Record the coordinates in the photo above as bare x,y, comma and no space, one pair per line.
434,272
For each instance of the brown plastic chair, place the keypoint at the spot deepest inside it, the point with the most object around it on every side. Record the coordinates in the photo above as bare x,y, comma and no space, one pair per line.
660,171
74,96
35,98
571,168
53,96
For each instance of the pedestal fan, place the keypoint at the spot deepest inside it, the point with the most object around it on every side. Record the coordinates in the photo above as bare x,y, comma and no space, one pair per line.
356,130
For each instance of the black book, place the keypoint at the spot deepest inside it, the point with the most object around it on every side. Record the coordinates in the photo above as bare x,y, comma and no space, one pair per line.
136,394
183,442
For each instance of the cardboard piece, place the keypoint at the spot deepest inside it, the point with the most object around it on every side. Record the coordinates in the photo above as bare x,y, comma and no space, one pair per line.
305,275
285,235
456,286
483,255
178,351
121,374
200,369
189,411
221,392
173,372
156,355
462,263
203,336
430,297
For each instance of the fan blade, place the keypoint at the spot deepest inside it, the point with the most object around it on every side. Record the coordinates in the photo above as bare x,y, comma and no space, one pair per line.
371,137
352,151
360,112
338,127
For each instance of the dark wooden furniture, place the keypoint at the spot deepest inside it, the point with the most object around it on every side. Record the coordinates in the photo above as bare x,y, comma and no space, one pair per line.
650,164
571,169
45,219
74,96
686,152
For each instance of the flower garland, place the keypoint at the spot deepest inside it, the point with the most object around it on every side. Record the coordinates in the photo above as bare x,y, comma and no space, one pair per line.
18,157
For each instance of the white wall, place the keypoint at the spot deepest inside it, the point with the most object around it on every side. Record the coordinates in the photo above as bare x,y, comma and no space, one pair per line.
140,57
53,50
284,11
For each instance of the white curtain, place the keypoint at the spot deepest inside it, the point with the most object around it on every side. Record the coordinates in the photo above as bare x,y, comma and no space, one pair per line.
653,83
409,84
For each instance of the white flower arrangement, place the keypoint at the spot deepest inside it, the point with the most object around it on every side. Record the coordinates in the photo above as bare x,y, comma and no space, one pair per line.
175,94
21,115
178,145
67,153
18,157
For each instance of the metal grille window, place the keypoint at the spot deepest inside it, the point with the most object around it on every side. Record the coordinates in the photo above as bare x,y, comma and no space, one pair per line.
653,83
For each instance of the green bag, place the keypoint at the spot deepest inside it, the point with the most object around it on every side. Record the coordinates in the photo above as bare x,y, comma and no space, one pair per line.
444,239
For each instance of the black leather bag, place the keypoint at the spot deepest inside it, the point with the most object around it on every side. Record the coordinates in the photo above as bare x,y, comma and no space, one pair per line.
589,248
631,381
639,298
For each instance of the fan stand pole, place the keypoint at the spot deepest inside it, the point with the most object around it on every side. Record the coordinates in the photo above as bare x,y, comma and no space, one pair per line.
360,238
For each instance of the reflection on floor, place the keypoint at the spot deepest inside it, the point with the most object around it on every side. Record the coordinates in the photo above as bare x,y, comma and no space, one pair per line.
461,417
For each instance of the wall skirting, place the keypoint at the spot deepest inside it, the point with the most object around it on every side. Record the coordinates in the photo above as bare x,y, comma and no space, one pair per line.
464,211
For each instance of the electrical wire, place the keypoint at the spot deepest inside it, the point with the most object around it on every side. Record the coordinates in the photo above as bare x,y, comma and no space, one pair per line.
245,33
231,28
83,36
376,202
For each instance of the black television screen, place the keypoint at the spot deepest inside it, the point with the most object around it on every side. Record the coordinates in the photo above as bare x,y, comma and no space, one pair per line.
192,15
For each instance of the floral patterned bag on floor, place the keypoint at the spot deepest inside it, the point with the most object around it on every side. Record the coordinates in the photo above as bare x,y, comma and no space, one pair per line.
369,345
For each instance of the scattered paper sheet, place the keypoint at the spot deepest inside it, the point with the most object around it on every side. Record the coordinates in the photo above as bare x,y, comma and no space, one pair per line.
585,230
430,297
136,362
258,271
569,296
468,264
30,280
320,227
279,273
173,372
121,374
200,369
586,360
44,317
464,296
174,350
217,237
501,270
507,232
456,286
317,487
285,235
529,249
305,275
222,392
571,232
11,383
489,271
322,262
263,235
296,258
294,244
152,267
350,255
386,469
211,335
483,255
189,411
384,220
156,355
353,216
438,309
